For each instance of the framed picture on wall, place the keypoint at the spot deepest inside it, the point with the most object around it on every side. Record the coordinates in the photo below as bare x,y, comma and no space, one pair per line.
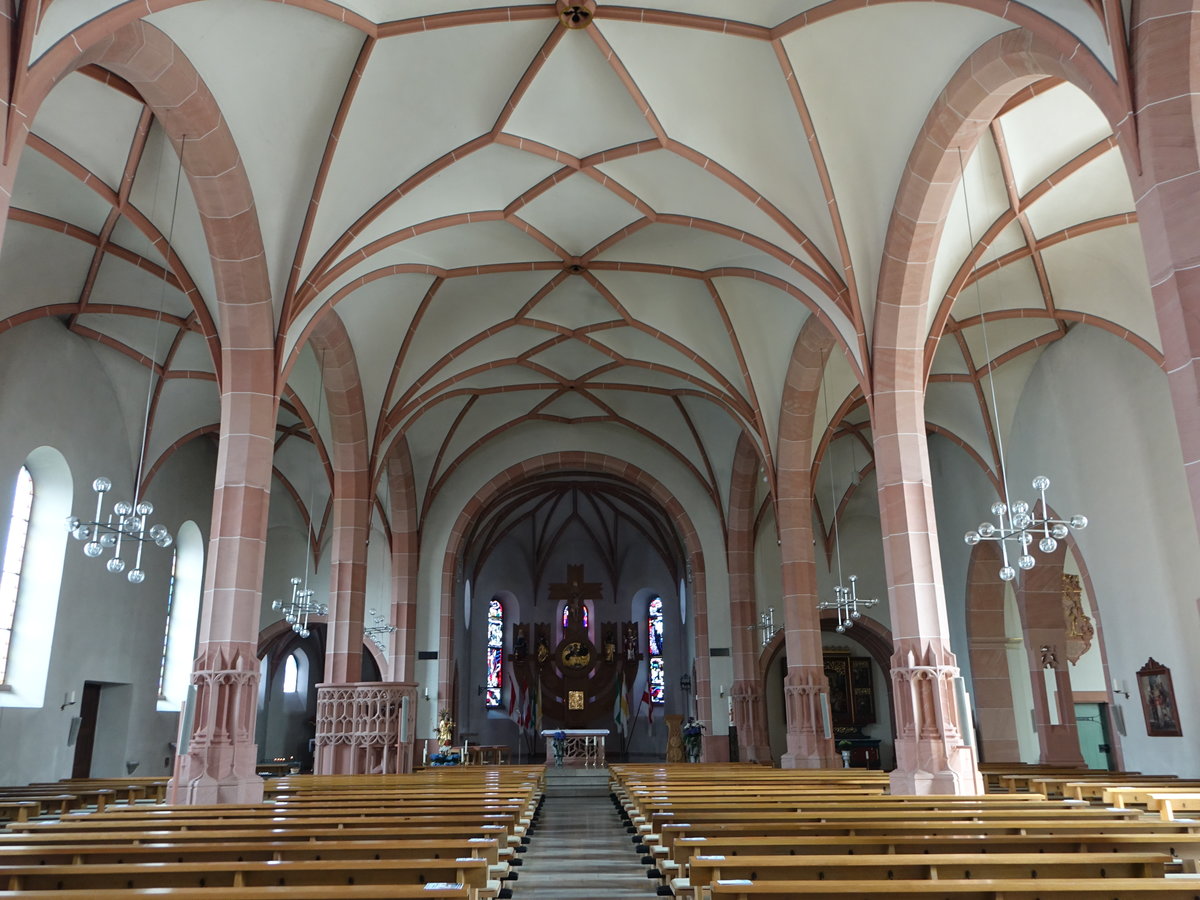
1158,700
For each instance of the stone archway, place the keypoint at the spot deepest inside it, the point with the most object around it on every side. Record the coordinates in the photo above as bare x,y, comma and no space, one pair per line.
580,461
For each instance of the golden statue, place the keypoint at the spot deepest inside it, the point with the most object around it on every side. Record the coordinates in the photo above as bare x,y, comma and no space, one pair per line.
445,728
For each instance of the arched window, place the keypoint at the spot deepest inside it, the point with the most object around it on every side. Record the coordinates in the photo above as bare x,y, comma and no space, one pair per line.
566,614
14,558
162,666
183,613
495,653
291,673
658,675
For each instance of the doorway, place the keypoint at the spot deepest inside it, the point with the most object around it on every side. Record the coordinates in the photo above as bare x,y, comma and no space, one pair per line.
1091,721
85,736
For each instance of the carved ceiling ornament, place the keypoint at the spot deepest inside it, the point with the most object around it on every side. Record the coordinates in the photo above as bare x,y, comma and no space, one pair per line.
1080,630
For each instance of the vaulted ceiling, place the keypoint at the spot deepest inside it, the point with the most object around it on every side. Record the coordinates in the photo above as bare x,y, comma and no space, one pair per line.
528,227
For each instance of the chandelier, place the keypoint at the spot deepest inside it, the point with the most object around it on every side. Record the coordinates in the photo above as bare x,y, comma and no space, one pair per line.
845,599
765,626
302,605
1017,522
127,523
1020,524
377,629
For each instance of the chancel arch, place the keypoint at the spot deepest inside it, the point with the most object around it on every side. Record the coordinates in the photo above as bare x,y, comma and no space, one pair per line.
578,544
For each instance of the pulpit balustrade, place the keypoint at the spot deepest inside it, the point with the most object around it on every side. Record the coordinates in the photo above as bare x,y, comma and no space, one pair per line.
359,728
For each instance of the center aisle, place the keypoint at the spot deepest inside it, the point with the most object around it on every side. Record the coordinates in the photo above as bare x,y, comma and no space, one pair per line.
580,850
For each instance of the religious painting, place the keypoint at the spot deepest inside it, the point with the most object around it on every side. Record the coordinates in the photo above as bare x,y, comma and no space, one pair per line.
837,671
863,700
575,700
851,689
1158,700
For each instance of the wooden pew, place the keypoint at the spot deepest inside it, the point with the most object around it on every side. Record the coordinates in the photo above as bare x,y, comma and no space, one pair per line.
19,810
1185,847
1166,804
469,871
273,892
672,833
241,836
916,867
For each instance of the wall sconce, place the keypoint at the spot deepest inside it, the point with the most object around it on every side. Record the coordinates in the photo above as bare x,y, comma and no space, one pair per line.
426,694
1119,687
722,691
69,699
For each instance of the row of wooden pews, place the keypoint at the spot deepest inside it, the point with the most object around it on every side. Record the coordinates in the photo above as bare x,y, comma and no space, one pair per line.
743,832
1164,794
445,833
20,803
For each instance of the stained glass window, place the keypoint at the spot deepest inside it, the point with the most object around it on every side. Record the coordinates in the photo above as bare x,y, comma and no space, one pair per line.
495,653
658,675
566,615
14,558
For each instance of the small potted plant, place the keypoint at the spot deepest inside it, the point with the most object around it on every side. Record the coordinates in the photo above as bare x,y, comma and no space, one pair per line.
845,746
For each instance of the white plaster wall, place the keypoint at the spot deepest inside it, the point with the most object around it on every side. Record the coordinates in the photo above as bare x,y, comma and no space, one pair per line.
107,630
1096,417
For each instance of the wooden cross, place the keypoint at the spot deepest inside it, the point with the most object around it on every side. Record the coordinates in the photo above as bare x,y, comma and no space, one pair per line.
575,590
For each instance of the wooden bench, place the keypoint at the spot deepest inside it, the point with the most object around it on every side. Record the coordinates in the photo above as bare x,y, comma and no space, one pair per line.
93,853
469,871
706,868
273,892
672,833
19,810
1167,804
1184,847
242,836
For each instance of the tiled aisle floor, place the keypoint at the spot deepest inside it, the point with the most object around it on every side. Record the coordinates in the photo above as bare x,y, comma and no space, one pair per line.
580,851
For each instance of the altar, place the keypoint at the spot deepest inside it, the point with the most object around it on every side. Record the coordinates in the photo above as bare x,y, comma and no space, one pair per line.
582,746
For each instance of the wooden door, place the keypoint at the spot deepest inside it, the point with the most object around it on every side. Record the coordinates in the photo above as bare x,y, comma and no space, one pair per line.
89,707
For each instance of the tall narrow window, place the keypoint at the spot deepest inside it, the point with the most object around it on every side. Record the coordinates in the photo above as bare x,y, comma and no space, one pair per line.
162,667
495,653
291,674
658,675
14,557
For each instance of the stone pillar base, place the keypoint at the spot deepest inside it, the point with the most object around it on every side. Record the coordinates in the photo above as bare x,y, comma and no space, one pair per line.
749,715
220,753
953,773
808,748
930,755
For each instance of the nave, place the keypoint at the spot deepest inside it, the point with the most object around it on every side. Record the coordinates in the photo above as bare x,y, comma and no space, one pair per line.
699,831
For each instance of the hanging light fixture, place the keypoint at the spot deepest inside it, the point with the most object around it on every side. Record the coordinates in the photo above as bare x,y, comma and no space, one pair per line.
765,626
1017,522
378,628
302,604
845,599
127,522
